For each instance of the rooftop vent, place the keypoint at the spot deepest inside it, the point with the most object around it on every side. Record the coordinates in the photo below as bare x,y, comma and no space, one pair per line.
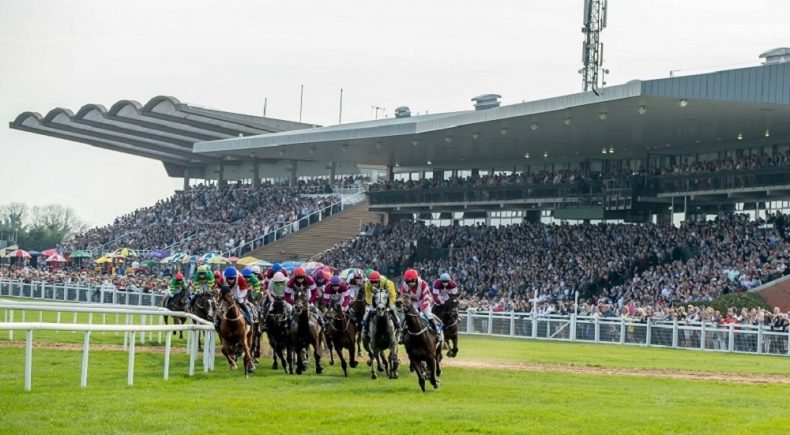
487,101
402,112
777,55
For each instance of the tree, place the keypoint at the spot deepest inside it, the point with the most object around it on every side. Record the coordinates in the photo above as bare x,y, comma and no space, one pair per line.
12,216
43,226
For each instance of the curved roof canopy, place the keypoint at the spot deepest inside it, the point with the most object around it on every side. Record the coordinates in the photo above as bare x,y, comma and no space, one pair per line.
164,128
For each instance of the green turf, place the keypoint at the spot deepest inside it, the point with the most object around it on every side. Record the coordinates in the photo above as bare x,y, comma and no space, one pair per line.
468,401
500,401
617,356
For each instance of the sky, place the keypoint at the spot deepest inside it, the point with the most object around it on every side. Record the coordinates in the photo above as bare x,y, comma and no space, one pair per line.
230,55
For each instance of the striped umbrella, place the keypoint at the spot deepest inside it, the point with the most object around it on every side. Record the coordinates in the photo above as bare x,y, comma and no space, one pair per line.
56,258
18,253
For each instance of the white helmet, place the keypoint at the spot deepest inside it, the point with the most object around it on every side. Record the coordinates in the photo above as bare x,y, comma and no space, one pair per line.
256,269
278,277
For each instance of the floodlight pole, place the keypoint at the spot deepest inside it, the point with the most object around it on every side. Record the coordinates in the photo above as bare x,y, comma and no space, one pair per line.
592,48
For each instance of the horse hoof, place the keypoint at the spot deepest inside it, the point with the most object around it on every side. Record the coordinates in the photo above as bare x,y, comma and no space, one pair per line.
370,363
381,369
422,386
373,376
256,360
354,364
331,363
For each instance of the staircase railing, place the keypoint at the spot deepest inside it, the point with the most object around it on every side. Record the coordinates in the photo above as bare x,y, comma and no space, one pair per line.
297,225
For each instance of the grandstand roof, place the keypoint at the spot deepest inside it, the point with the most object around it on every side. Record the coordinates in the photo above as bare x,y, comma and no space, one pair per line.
164,128
697,113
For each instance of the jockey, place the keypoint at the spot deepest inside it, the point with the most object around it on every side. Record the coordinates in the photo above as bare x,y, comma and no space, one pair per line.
218,281
337,291
257,271
305,286
443,289
176,287
238,285
252,282
355,281
321,278
420,294
202,280
377,282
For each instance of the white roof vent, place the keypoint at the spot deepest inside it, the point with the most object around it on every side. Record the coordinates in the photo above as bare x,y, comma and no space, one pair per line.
777,55
402,112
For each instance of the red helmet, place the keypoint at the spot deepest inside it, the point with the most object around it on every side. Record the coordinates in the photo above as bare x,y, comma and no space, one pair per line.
179,277
300,272
216,274
410,275
374,276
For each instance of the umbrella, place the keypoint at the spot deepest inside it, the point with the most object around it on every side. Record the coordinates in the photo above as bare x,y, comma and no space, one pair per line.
233,259
291,265
104,259
246,261
18,253
56,258
125,252
261,263
217,259
34,253
206,257
310,266
49,252
174,258
186,259
344,273
150,263
81,254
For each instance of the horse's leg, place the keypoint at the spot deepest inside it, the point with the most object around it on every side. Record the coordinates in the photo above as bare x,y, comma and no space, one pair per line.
379,358
330,345
420,373
433,364
394,362
343,365
317,355
352,353
373,374
226,352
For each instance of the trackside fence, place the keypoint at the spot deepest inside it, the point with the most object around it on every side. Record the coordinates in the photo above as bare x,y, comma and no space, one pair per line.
706,336
133,322
78,293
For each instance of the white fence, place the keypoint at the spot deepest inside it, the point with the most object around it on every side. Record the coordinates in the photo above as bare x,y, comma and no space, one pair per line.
128,327
78,293
680,335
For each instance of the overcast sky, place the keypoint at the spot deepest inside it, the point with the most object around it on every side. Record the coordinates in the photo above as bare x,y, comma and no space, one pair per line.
230,55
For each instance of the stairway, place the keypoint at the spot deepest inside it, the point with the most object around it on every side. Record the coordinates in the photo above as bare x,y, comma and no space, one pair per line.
319,237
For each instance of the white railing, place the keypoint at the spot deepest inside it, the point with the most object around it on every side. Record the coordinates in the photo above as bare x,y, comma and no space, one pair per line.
129,328
63,292
616,330
294,226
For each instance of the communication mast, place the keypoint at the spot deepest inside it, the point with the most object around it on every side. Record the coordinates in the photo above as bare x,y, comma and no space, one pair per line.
592,48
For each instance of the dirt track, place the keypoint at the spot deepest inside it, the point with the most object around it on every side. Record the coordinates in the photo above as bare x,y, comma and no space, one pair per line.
741,378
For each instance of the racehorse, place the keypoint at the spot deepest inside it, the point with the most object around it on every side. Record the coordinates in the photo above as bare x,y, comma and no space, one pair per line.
356,312
180,303
278,332
342,335
448,314
381,336
205,307
234,330
421,345
305,332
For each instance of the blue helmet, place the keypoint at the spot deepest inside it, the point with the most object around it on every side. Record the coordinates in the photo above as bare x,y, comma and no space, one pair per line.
444,277
276,267
230,272
246,272
335,280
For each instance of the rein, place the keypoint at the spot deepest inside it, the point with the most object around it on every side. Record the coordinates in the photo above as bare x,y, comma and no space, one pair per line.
422,331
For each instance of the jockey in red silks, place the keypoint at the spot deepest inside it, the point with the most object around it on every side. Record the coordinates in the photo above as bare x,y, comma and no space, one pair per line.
420,294
443,288
337,292
305,286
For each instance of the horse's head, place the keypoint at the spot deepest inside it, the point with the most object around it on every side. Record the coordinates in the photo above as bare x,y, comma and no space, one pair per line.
380,300
405,301
226,296
452,306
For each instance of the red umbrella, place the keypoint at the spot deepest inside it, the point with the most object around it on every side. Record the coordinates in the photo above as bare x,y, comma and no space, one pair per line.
56,258
50,252
18,253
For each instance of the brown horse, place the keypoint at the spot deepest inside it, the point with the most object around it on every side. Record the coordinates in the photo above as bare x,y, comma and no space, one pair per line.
278,328
448,314
180,303
356,312
421,345
233,331
305,332
381,336
342,335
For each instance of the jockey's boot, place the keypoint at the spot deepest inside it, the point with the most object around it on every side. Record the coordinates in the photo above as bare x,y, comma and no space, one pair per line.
246,311
434,327
217,321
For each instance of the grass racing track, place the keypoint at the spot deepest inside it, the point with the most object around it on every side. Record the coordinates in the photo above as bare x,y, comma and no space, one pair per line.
495,385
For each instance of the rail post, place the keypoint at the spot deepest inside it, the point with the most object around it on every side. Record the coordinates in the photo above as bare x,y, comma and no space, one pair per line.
85,350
